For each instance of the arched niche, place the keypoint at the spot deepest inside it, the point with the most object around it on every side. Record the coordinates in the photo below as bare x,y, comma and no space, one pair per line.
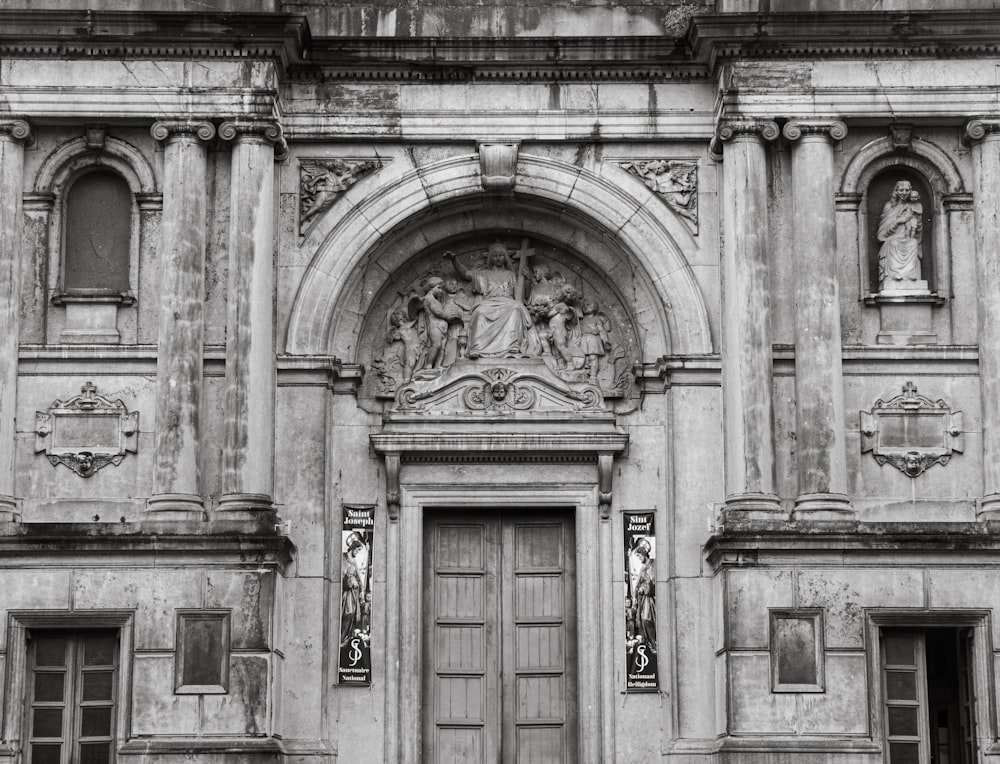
364,241
866,186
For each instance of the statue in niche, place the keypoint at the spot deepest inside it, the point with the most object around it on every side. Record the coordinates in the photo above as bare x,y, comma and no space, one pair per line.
900,230
500,325
497,305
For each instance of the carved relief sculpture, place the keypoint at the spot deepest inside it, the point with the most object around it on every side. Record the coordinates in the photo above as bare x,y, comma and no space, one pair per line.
86,432
323,181
498,305
911,432
675,181
900,231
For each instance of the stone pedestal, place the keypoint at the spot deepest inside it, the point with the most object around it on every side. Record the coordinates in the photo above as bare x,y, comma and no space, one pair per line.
985,138
821,456
248,454
91,322
13,135
176,489
905,319
746,342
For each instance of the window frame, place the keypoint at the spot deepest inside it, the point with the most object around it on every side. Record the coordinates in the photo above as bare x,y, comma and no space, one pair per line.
981,668
19,622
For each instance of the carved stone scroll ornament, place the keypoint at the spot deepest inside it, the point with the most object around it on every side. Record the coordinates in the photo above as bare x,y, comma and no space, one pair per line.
676,182
86,432
911,432
469,388
323,181
501,305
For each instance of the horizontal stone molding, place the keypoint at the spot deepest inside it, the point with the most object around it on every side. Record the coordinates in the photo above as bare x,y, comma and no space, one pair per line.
166,131
833,129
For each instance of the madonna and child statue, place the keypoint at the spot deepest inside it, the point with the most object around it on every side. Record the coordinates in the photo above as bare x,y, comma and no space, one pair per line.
497,307
900,232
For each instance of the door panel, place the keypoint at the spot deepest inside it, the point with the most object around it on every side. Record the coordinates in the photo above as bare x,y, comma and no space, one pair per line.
499,637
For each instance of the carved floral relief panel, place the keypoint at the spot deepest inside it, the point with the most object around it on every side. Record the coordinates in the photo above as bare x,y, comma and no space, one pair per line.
488,299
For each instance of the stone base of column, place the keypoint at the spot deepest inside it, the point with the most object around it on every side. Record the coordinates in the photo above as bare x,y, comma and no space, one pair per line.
254,507
10,512
752,506
988,509
175,506
823,506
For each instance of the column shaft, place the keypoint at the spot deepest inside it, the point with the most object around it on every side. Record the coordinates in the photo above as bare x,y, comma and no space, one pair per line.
248,456
986,211
746,342
176,478
13,134
821,455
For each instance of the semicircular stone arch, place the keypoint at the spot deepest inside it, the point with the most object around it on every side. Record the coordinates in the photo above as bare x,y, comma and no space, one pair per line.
364,243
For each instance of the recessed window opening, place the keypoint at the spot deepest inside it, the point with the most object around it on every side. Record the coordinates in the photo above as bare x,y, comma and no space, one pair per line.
98,229
928,696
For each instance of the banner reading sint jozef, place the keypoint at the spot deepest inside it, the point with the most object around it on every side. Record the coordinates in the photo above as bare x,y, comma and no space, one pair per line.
355,665
640,602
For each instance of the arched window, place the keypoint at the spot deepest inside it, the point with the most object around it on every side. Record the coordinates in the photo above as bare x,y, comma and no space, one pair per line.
97,233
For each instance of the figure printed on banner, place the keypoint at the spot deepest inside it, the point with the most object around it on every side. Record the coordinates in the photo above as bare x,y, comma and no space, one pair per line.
640,602
356,596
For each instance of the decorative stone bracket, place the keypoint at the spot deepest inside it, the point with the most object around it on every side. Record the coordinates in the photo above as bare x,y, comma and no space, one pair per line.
86,432
911,432
498,165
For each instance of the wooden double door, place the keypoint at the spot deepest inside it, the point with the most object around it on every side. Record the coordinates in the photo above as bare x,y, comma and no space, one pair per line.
499,637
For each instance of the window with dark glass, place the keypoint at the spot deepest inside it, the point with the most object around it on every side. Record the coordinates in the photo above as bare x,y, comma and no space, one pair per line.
71,696
98,230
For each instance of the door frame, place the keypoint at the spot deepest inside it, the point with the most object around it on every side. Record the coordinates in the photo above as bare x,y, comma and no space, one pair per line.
404,604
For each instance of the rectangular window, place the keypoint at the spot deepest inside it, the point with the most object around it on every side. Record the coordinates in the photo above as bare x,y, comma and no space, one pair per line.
928,696
71,696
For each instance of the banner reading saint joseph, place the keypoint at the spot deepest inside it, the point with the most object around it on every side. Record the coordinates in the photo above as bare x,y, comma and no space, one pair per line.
640,602
355,665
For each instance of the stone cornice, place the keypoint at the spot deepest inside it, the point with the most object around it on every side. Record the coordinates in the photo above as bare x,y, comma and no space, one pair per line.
150,34
932,34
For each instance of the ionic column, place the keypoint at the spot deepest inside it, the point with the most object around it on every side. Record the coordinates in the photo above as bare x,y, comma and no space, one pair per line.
746,335
984,135
176,479
248,453
14,133
821,455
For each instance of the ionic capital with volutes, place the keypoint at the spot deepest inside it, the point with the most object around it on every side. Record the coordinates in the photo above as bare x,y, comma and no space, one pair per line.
15,130
833,129
171,131
737,127
252,130
980,128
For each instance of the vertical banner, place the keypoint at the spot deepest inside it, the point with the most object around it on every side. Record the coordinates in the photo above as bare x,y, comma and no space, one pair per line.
640,603
355,665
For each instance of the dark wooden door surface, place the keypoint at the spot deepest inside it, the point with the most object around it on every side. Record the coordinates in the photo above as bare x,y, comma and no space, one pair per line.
499,682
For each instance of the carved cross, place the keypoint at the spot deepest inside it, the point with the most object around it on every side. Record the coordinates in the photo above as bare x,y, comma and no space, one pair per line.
522,256
909,390
89,401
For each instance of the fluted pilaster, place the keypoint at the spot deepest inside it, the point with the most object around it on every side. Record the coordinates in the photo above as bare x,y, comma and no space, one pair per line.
176,476
14,133
746,342
248,454
821,455
984,136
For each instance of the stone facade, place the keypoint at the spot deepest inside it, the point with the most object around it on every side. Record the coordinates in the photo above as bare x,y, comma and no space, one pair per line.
478,266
